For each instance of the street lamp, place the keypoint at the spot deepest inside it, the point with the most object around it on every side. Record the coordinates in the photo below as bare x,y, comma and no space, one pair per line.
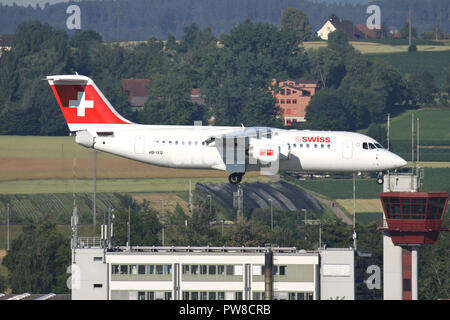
209,196
305,222
271,215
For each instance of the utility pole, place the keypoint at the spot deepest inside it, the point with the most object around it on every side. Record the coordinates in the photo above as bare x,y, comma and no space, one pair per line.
7,223
190,196
271,215
388,129
129,228
354,212
94,195
210,209
409,37
162,220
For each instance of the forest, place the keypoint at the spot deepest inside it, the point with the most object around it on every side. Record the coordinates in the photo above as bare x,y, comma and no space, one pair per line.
142,19
233,72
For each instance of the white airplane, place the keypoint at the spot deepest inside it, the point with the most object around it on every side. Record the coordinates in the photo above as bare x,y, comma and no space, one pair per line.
236,150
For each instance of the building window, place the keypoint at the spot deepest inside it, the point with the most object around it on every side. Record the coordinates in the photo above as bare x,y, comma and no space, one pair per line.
98,285
282,270
150,269
123,269
288,101
230,270
212,271
159,269
221,270
141,269
133,269
294,101
282,101
115,269
194,269
98,259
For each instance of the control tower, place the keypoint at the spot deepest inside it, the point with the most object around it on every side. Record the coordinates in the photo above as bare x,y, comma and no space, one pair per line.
411,219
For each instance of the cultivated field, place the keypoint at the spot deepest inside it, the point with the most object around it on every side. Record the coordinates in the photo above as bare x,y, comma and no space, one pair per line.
371,47
60,158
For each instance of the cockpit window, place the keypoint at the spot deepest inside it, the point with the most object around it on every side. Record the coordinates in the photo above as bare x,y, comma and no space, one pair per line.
379,146
372,146
365,146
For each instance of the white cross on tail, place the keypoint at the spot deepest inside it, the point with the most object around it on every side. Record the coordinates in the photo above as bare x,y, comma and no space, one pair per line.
81,104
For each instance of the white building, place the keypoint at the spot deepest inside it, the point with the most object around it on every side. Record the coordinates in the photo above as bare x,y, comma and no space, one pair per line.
210,273
327,28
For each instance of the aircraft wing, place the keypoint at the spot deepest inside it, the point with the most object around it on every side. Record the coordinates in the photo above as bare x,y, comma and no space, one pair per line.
251,132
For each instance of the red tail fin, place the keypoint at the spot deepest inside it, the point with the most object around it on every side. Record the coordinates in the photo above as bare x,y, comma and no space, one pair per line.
82,103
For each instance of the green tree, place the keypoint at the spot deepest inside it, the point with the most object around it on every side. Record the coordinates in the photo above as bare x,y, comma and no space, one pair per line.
404,31
295,20
326,66
38,260
145,225
421,87
326,111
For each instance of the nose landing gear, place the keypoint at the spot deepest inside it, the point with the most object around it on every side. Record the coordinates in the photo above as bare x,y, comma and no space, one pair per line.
235,177
380,179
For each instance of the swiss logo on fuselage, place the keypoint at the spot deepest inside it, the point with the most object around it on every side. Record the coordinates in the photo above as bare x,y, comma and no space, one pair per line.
313,139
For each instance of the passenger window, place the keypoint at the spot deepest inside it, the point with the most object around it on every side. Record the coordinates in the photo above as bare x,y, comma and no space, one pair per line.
315,146
195,142
294,145
176,142
307,145
189,143
365,146
329,146
301,145
322,146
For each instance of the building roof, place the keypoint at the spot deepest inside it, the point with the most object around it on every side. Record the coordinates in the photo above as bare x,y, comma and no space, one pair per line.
6,40
348,27
136,87
368,33
35,296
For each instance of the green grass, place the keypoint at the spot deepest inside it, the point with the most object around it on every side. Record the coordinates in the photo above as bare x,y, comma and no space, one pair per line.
43,147
435,180
342,188
421,61
368,217
108,185
434,134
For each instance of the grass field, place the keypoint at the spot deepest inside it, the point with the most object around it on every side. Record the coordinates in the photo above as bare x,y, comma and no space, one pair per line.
376,48
434,125
26,157
421,61
434,135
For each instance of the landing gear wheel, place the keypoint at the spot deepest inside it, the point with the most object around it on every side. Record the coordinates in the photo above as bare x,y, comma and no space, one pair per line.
235,178
380,179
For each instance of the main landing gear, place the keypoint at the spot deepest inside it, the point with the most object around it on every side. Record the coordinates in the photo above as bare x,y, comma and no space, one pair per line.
235,177
380,179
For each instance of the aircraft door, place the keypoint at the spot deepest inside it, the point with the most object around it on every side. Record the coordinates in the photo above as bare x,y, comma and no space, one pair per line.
347,149
139,144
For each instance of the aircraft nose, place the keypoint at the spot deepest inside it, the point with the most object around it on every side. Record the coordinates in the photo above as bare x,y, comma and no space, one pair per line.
401,162
398,161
